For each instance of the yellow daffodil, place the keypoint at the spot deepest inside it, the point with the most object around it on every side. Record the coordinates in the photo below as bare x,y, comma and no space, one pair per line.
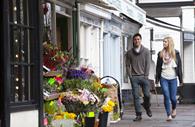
72,115
111,103
108,107
69,115
58,117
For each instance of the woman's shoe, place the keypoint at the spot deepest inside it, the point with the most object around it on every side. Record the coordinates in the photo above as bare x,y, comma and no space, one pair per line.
169,118
173,113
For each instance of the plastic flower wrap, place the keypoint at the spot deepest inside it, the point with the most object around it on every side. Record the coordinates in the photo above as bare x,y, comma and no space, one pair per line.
80,101
53,84
108,105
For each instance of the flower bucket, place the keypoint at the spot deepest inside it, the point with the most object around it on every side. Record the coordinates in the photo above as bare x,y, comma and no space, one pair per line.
103,119
63,123
89,121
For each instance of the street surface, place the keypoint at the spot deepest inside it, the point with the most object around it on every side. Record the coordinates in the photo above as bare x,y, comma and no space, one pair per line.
185,116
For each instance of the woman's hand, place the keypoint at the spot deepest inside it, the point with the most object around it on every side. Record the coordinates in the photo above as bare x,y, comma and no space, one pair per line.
156,82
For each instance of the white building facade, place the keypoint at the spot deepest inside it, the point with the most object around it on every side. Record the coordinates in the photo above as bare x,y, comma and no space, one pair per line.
106,35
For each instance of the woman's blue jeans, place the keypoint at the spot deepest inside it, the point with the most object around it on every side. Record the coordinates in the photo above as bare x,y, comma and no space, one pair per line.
169,89
137,82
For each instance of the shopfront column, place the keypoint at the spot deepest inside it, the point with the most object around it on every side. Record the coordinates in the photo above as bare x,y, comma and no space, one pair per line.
53,23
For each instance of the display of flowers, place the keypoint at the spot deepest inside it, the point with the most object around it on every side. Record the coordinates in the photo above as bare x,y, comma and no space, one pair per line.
108,105
71,93
80,101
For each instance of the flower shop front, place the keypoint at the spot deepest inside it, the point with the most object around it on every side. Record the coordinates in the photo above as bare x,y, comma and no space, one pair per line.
74,96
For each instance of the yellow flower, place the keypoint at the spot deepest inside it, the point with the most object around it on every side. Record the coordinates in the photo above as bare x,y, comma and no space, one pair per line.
58,117
108,106
69,115
85,102
64,113
97,85
72,115
111,103
104,108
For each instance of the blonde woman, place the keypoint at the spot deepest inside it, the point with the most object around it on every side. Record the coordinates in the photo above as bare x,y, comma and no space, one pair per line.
168,69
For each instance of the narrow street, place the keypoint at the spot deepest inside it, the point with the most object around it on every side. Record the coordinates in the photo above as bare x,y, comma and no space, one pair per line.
185,116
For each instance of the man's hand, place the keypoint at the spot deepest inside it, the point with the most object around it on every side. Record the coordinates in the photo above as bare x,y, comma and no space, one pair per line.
156,82
146,77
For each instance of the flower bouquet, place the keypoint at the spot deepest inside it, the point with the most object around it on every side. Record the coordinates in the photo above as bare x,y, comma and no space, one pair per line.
54,58
56,115
107,107
80,101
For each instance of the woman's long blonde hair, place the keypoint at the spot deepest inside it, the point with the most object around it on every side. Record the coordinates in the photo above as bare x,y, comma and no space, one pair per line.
170,49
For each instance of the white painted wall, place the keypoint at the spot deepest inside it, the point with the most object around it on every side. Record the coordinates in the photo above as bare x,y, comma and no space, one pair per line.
24,119
91,36
90,47
112,61
159,34
188,18
189,49
157,44
188,62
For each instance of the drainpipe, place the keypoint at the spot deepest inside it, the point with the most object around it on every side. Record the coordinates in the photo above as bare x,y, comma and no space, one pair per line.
78,32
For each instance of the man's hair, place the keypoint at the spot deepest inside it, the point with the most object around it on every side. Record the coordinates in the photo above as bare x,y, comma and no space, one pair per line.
137,34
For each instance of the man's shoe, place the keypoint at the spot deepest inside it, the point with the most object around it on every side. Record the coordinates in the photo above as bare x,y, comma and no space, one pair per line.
148,111
138,118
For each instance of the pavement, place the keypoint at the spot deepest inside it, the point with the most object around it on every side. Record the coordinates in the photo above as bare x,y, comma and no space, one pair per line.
185,116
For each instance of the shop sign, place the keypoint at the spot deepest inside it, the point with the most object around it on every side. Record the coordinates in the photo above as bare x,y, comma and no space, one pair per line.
113,27
129,9
188,37
90,21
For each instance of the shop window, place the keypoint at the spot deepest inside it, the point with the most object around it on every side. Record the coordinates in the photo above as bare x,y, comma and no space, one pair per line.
57,25
126,46
24,52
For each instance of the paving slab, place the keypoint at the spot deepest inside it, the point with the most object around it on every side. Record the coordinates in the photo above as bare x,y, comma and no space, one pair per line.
185,116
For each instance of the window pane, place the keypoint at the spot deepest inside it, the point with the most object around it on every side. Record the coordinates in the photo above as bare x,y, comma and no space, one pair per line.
20,49
18,11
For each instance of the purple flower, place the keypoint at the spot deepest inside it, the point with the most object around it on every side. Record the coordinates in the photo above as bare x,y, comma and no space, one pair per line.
75,74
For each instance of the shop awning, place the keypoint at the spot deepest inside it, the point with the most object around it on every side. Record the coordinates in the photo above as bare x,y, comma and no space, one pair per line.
125,7
100,3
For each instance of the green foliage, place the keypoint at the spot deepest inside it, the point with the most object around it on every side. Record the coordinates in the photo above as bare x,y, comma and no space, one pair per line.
51,107
73,84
